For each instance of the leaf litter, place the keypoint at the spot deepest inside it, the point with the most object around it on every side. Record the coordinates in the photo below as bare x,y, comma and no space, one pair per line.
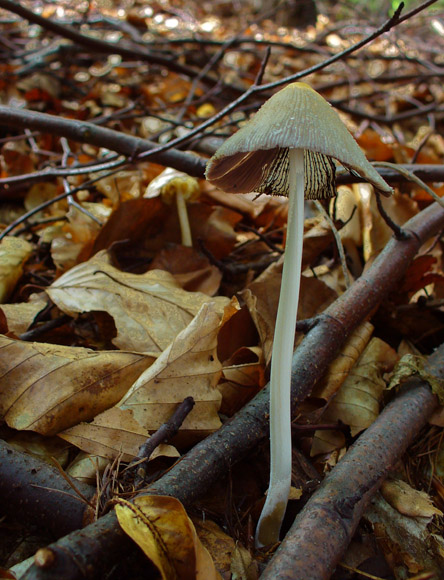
126,322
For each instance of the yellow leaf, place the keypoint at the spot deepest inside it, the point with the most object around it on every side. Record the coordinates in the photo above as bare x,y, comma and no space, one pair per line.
161,528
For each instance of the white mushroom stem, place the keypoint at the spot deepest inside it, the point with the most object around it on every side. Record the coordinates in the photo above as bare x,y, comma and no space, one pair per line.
183,219
270,521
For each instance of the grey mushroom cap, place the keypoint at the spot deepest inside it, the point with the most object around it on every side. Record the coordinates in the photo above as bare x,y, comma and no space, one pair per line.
256,157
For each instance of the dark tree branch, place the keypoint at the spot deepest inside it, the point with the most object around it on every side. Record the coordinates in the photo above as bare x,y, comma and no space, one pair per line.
132,147
84,132
211,459
35,492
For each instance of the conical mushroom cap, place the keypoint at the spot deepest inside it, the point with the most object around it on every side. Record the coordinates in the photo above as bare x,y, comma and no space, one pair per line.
255,158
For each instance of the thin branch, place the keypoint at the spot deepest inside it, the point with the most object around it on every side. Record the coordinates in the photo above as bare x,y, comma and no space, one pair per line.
338,241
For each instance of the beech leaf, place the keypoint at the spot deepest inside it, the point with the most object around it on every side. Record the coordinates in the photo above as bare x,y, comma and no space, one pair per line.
149,309
47,388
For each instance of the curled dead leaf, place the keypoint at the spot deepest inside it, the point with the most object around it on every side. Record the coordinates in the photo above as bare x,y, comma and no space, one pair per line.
161,527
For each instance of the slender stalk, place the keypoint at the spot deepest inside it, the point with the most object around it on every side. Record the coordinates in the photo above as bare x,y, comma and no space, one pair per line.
183,219
270,521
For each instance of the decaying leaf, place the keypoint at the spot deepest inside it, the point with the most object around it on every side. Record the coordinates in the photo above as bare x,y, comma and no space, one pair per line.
113,433
243,375
408,543
76,237
356,403
161,528
340,368
376,233
85,468
20,315
149,309
188,367
47,388
411,365
407,500
231,559
13,254
262,297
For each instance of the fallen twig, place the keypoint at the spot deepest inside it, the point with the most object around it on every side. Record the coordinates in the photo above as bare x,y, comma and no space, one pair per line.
162,435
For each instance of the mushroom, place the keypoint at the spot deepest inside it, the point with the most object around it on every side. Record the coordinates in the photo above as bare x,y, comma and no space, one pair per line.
174,185
287,148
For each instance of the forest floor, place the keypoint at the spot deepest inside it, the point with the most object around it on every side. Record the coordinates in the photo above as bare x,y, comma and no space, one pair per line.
134,372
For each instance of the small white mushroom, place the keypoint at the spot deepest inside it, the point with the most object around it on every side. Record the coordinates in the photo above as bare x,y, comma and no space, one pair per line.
287,148
173,185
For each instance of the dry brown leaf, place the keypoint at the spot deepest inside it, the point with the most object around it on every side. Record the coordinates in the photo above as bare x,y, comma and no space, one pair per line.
113,433
121,186
340,368
357,401
190,268
17,158
132,221
406,541
243,375
161,528
21,314
262,296
149,309
40,193
85,468
76,238
47,388
376,233
231,559
13,254
188,367
44,448
407,500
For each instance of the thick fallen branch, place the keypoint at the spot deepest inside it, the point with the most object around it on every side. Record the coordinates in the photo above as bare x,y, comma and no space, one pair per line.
34,492
211,459
330,517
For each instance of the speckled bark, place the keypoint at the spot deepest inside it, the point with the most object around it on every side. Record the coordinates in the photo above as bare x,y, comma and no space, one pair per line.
34,492
210,460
